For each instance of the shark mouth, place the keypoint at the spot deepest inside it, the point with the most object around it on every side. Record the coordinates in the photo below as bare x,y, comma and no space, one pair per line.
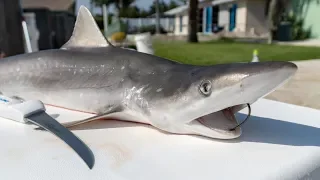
224,121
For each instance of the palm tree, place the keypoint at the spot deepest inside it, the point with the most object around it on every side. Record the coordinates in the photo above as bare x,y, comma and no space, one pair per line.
184,1
100,3
119,4
193,21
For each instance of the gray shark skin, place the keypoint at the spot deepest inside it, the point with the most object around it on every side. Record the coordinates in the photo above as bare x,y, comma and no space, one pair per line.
89,74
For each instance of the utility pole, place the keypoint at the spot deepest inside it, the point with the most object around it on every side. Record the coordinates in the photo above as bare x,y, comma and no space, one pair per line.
157,17
105,18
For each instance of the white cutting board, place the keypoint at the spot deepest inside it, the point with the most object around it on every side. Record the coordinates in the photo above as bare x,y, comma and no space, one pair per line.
281,141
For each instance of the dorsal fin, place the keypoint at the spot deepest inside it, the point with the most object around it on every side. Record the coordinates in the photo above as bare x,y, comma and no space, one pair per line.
86,32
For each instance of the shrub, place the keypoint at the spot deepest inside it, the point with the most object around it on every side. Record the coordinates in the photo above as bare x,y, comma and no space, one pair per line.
118,36
99,20
297,25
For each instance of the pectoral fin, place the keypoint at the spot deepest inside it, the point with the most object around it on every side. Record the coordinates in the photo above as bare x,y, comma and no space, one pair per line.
103,115
83,121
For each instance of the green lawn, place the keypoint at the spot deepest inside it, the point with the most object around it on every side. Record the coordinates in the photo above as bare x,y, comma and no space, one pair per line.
214,52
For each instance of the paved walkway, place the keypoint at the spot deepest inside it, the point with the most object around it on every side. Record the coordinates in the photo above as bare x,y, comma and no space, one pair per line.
308,42
302,89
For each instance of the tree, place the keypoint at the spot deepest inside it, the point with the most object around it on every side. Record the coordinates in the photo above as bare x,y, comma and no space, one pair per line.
184,2
193,21
102,2
172,4
119,4
131,12
99,3
144,13
163,7
275,10
271,14
122,4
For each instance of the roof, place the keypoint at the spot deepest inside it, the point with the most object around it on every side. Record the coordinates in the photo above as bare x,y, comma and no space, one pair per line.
218,2
202,3
176,10
50,4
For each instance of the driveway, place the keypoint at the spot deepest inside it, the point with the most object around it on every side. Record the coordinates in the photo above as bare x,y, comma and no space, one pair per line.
308,42
303,89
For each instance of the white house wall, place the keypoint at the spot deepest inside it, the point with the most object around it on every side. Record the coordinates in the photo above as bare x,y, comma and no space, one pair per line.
241,18
224,17
250,17
256,18
184,25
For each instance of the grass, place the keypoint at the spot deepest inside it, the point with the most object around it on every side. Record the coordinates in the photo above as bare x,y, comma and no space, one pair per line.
216,52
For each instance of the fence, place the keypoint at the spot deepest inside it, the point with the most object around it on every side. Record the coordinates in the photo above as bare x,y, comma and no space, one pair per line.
167,24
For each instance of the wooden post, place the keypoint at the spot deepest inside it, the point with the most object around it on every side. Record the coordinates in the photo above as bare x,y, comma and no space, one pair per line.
3,39
11,37
157,17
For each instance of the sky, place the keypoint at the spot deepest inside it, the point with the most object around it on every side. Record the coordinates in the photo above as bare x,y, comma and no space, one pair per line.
140,3
147,3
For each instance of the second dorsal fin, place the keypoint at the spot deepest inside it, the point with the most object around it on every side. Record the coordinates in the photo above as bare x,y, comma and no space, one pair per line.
86,32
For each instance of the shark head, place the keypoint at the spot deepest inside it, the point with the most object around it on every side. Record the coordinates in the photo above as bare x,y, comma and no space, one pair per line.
204,98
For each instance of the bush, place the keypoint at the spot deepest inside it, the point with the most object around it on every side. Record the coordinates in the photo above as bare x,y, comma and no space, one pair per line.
297,25
132,47
99,20
118,36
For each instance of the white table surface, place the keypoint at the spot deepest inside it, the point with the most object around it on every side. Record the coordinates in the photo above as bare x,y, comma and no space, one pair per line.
280,141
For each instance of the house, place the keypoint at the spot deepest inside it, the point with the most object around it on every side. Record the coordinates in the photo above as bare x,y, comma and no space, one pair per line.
241,17
309,11
54,5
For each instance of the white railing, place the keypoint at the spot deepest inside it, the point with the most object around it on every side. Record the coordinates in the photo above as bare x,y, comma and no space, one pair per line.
166,23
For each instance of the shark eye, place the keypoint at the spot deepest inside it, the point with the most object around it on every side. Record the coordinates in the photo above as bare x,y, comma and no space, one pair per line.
206,88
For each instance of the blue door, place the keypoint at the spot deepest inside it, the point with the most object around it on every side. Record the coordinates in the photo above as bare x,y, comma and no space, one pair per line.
180,23
233,16
209,20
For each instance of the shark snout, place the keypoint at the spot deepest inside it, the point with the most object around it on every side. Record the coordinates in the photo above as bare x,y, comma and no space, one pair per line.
261,68
286,68
263,78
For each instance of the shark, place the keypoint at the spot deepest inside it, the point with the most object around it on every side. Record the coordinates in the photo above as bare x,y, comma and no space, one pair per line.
90,74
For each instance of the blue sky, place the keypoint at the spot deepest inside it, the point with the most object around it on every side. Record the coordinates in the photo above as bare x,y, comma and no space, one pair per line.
140,3
145,3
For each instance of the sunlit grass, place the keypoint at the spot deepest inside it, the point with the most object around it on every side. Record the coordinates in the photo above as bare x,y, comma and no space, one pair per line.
215,52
